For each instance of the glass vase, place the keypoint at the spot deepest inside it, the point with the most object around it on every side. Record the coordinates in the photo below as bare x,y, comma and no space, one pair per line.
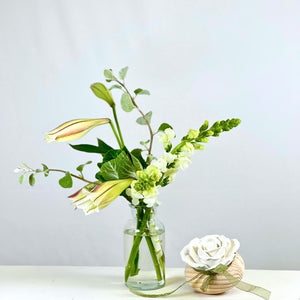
144,239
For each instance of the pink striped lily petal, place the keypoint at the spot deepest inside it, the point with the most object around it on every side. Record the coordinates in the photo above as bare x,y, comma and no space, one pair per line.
92,199
74,129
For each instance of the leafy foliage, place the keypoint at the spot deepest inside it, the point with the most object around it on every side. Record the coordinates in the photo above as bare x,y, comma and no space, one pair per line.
123,73
102,147
141,92
66,181
142,121
123,166
164,126
109,75
80,167
21,178
86,148
119,167
138,154
115,86
31,179
126,103
111,154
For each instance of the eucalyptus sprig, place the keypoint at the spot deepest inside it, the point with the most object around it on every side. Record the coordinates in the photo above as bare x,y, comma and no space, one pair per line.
66,181
128,102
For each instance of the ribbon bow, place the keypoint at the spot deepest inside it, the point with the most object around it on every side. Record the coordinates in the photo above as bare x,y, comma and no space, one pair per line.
241,285
220,269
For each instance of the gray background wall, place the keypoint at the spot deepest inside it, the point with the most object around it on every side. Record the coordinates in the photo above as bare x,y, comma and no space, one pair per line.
200,60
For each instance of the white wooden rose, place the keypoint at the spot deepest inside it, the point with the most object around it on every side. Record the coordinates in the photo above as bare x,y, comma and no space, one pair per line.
209,252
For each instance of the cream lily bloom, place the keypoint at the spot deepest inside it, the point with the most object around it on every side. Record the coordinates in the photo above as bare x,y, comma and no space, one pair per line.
74,129
93,198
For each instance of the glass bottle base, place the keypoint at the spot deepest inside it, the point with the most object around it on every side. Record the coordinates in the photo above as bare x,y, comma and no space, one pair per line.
144,285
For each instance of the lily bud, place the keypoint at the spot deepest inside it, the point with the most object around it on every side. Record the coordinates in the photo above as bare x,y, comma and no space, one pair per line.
92,199
102,92
74,129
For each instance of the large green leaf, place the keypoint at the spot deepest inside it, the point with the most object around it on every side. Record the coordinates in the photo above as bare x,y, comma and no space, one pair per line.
104,148
86,148
123,166
102,92
138,154
111,154
99,176
142,121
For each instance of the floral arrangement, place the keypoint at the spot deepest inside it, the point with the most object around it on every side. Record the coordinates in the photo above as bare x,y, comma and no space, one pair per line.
136,174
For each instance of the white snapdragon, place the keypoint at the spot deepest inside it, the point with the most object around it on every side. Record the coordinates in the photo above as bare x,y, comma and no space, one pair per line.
151,193
136,196
187,147
149,197
150,201
169,157
161,164
170,133
166,138
192,134
182,160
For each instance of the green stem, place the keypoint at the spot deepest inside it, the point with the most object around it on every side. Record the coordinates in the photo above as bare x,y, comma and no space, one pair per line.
139,216
162,264
115,133
144,117
136,244
73,175
118,126
154,257
177,147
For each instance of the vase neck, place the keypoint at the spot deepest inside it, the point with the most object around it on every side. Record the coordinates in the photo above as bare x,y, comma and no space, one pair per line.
138,211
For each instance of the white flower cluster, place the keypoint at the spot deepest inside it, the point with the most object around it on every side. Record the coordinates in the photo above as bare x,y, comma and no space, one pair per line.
149,199
163,170
166,138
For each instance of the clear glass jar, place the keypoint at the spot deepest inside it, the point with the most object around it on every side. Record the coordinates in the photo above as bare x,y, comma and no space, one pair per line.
144,246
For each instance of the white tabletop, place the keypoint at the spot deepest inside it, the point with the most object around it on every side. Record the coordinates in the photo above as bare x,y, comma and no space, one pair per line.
106,283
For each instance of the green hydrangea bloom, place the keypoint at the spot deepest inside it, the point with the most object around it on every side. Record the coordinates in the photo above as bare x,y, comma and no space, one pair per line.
147,179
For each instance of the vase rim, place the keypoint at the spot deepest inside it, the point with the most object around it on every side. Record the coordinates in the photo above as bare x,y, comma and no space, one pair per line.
135,206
